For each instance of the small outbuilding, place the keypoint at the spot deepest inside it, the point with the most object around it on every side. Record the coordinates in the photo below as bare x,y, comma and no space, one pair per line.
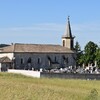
5,63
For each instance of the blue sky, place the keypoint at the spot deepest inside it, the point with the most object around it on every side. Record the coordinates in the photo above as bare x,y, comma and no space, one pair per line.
44,21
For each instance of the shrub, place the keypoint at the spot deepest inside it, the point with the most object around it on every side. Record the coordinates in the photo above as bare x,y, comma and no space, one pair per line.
93,95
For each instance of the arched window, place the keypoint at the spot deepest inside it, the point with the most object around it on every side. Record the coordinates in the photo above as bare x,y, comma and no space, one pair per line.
65,59
71,44
55,59
29,60
22,61
49,60
39,60
63,43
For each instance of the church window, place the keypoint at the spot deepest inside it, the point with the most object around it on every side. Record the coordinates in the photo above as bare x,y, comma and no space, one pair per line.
63,43
55,59
65,59
39,60
49,60
29,60
22,60
71,44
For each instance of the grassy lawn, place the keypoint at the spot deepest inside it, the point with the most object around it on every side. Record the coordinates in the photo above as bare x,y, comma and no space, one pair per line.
18,87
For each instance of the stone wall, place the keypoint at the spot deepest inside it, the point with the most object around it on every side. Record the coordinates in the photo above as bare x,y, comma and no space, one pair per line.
71,76
40,60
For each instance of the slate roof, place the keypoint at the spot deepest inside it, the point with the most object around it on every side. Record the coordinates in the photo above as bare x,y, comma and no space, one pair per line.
68,33
36,48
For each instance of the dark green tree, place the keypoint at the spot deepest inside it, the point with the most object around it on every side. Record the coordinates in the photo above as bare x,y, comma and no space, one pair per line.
98,56
90,52
79,54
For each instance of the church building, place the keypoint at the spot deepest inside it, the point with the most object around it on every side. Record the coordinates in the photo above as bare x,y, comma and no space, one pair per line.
36,56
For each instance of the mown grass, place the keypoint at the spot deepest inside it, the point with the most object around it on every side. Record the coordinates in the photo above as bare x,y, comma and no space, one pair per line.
19,87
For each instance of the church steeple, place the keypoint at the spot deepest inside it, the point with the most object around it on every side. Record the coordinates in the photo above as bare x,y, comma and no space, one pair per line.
67,38
68,29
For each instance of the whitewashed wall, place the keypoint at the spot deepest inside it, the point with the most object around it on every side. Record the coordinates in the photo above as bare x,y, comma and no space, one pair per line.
25,72
9,55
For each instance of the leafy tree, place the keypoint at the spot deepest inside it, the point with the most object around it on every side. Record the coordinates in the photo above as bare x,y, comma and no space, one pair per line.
98,56
90,52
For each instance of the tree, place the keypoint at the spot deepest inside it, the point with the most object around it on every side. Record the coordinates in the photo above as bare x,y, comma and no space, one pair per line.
79,53
98,56
77,47
90,52
3,45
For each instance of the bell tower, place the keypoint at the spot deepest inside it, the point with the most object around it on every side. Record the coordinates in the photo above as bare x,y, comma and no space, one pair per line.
67,38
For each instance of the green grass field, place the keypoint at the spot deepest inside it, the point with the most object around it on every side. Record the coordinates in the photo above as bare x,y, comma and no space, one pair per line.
18,87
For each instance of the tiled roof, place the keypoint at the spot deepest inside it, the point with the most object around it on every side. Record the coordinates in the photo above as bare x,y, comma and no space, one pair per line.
38,48
5,60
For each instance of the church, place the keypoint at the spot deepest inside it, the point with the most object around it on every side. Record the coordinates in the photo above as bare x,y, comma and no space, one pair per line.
36,56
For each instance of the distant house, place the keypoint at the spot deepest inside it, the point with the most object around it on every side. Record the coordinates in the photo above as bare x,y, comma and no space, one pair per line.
36,56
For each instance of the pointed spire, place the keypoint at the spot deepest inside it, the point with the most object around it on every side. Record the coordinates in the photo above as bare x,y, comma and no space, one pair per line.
67,38
68,30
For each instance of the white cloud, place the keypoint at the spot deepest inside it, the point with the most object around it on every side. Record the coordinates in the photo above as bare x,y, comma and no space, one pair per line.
36,27
40,32
87,32
87,28
94,27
